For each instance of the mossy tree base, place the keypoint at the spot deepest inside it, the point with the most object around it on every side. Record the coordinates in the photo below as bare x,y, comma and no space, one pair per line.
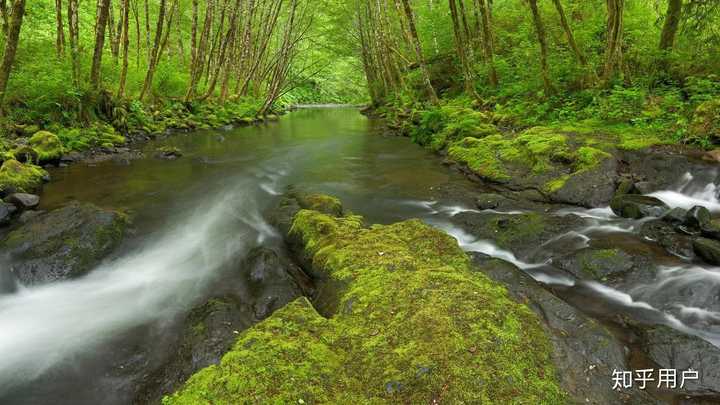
409,322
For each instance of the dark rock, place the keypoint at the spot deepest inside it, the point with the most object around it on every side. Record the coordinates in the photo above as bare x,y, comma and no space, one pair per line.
675,216
28,215
637,206
24,201
671,349
71,157
596,264
590,188
6,213
711,230
272,281
168,153
697,217
207,333
666,236
267,281
63,243
523,234
584,350
644,187
708,250
490,201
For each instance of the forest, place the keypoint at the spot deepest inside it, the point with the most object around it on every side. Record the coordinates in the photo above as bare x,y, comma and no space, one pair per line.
359,201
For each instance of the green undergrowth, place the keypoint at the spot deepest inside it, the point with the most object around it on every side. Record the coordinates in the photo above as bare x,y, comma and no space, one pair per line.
480,140
409,322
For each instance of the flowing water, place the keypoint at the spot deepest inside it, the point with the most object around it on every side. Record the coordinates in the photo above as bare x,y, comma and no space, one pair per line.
68,342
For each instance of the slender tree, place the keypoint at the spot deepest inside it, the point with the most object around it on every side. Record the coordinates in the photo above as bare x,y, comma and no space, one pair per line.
417,47
152,65
613,48
11,43
103,9
125,46
488,41
60,30
542,41
73,34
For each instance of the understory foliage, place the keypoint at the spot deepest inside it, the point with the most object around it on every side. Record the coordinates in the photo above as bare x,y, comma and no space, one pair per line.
547,62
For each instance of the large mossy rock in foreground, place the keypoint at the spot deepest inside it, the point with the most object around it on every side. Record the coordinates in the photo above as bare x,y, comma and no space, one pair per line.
408,322
63,243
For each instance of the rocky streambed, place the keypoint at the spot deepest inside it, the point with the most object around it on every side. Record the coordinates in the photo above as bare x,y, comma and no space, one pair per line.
148,290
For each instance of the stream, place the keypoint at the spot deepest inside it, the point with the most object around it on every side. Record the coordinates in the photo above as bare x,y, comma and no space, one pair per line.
195,217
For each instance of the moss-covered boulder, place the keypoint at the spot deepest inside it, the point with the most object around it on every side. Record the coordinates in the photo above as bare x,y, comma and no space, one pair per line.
47,145
637,206
63,243
407,322
19,177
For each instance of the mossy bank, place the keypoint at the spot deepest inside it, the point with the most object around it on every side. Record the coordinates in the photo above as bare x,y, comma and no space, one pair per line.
406,321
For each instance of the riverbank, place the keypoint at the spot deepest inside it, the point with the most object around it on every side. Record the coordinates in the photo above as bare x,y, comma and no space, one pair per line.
26,151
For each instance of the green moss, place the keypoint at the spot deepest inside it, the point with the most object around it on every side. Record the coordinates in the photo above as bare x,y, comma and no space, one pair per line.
47,145
556,184
410,323
15,176
320,202
588,158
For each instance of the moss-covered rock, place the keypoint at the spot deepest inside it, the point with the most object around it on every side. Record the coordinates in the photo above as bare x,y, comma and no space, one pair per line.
18,177
63,243
47,145
409,322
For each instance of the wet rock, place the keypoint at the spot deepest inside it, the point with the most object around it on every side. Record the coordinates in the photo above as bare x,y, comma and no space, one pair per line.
28,215
644,187
596,264
207,333
590,188
6,212
523,234
491,201
711,230
625,186
24,201
637,206
708,250
71,157
671,349
263,282
697,217
583,349
63,243
675,216
272,281
665,235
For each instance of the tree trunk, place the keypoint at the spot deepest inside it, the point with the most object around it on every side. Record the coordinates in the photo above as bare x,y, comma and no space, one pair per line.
60,30
460,47
125,46
418,52
73,32
542,40
613,48
670,27
5,17
569,34
11,43
103,8
488,41
152,65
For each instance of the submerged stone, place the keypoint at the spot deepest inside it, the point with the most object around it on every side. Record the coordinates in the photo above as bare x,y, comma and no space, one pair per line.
636,206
